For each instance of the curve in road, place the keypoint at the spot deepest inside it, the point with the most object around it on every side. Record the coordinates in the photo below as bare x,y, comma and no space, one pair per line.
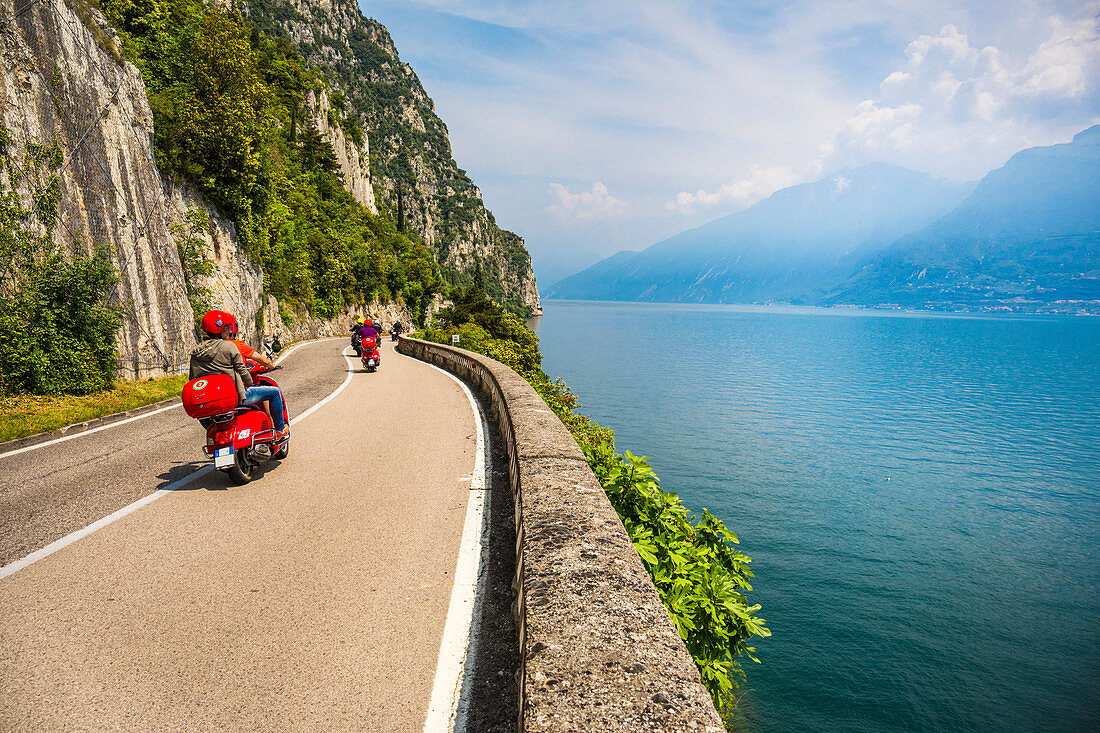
313,598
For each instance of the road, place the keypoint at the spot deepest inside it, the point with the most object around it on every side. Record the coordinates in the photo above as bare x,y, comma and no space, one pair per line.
313,598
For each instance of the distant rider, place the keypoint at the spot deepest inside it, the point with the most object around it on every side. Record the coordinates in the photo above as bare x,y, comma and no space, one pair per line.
367,330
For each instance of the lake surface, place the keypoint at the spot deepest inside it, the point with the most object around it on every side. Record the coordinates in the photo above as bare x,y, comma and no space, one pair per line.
920,496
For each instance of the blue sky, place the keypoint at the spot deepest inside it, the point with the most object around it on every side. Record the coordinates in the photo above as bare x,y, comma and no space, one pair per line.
593,127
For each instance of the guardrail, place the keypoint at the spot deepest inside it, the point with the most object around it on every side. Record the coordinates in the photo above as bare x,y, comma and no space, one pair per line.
598,650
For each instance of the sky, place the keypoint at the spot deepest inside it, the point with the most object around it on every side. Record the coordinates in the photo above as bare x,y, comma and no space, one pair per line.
598,126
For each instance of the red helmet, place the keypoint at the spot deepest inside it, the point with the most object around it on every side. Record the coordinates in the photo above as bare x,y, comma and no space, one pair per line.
217,323
368,322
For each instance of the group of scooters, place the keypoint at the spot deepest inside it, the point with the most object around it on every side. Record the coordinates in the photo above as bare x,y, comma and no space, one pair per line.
240,437
365,338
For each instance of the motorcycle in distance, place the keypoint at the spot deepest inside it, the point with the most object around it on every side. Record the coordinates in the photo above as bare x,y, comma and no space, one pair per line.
395,332
239,438
370,356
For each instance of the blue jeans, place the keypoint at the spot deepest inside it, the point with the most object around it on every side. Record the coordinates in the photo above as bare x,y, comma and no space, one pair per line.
271,395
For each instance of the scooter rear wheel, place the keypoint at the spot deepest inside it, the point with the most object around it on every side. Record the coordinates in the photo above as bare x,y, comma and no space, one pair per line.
241,471
283,452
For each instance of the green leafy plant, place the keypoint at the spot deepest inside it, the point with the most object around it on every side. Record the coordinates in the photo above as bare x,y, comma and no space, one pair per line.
59,327
695,565
193,259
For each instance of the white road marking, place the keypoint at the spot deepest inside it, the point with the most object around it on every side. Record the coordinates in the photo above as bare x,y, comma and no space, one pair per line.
82,433
89,431
144,501
449,707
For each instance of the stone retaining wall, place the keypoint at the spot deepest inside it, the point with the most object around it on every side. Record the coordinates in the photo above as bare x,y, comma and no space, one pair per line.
598,649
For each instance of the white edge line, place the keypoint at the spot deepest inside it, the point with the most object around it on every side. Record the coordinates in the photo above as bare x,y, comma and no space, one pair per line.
89,431
444,714
99,524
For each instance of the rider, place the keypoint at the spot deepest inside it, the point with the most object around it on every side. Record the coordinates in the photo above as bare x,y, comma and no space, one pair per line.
217,354
355,331
367,330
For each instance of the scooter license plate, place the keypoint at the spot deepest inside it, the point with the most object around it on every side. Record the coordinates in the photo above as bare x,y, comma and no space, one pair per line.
371,362
223,457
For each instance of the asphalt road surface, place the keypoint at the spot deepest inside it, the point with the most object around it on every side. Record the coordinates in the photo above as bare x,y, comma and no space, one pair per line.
313,598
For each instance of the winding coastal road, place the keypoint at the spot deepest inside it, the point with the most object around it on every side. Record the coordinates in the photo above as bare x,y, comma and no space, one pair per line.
313,598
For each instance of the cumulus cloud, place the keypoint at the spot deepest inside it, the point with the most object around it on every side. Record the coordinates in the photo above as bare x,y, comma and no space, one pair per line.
760,183
595,203
952,97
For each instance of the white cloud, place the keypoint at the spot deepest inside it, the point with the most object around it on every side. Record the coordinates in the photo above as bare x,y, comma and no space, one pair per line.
596,203
954,101
683,96
760,183
1061,66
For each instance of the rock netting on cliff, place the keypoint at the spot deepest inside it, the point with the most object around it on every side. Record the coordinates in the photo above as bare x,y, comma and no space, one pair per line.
60,86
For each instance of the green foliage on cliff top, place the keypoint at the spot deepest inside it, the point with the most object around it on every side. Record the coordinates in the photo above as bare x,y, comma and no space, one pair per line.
230,109
409,147
699,573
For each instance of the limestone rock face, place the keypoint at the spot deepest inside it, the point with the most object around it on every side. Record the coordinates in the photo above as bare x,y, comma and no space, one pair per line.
237,282
354,160
62,82
287,325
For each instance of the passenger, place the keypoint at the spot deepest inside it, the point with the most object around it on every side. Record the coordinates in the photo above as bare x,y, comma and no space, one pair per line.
216,355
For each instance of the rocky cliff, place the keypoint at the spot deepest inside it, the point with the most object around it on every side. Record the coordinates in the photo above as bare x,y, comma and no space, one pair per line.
414,173
62,84
353,157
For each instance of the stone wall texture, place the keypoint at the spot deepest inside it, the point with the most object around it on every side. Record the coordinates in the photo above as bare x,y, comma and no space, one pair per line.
599,649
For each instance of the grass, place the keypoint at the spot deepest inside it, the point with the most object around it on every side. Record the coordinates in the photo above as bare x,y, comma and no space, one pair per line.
23,415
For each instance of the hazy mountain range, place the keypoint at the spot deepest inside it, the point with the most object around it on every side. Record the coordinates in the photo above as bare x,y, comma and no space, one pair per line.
1027,237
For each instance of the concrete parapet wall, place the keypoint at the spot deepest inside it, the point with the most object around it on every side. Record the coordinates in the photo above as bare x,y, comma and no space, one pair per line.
599,651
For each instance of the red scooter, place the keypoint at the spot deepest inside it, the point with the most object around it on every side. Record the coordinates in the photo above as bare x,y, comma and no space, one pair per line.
239,437
369,354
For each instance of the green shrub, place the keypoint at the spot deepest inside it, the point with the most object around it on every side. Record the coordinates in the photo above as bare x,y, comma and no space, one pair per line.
59,330
695,565
58,327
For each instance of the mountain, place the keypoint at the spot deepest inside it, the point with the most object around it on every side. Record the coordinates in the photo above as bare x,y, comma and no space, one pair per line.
799,239
411,163
1027,238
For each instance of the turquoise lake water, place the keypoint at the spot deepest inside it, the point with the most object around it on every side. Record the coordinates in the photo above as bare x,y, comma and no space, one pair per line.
920,495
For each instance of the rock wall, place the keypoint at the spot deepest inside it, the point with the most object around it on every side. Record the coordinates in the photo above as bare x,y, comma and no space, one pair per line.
598,649
354,160
62,82
237,283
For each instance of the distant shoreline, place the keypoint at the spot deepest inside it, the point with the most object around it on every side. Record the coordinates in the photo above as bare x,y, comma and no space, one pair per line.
1090,309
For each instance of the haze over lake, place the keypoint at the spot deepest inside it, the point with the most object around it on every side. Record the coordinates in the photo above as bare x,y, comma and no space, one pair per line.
920,496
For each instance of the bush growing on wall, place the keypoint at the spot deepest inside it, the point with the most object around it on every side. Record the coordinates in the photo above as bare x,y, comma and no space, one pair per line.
59,331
